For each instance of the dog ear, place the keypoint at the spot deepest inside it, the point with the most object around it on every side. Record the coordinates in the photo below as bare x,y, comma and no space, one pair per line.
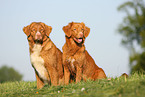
67,28
48,29
26,30
86,30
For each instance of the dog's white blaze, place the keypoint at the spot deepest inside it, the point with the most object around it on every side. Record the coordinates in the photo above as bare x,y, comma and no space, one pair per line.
38,62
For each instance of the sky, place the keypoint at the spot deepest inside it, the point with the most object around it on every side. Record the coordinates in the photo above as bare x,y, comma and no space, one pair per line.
101,16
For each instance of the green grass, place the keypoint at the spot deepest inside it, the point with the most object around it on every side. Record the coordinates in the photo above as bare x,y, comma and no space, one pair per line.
134,86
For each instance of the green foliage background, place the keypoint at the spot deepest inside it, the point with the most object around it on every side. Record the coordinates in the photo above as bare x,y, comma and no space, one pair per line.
132,30
9,74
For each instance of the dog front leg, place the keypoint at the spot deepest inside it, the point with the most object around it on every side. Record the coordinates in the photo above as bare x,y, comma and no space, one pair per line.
40,83
78,74
66,73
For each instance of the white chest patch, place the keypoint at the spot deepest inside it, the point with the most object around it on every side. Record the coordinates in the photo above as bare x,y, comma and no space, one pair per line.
72,63
38,62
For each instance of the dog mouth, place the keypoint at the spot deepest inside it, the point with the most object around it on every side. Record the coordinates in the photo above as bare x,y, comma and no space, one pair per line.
78,40
38,38
38,41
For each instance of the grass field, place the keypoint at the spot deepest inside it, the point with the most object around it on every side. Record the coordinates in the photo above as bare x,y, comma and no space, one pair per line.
134,86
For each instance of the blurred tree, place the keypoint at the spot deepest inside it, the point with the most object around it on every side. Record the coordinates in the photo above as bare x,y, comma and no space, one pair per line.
133,31
9,74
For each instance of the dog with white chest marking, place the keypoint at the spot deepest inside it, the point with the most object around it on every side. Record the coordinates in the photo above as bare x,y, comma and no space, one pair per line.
78,64
45,57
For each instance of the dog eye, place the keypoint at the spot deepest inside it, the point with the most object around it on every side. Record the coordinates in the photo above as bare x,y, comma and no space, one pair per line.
74,29
41,29
82,29
33,30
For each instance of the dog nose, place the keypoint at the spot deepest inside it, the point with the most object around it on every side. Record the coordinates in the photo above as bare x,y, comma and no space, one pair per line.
38,35
81,34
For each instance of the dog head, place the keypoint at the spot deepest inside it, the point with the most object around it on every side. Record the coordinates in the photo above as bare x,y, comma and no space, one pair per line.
37,32
77,31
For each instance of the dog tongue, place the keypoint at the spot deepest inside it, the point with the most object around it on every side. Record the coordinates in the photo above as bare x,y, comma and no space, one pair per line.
79,40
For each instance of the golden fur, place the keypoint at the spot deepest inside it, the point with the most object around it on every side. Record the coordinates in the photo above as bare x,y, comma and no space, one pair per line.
46,58
78,64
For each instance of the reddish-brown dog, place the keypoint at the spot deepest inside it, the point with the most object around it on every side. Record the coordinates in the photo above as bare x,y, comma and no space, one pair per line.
77,62
46,58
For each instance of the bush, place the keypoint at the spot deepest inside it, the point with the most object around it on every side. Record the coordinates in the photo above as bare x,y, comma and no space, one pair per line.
9,74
